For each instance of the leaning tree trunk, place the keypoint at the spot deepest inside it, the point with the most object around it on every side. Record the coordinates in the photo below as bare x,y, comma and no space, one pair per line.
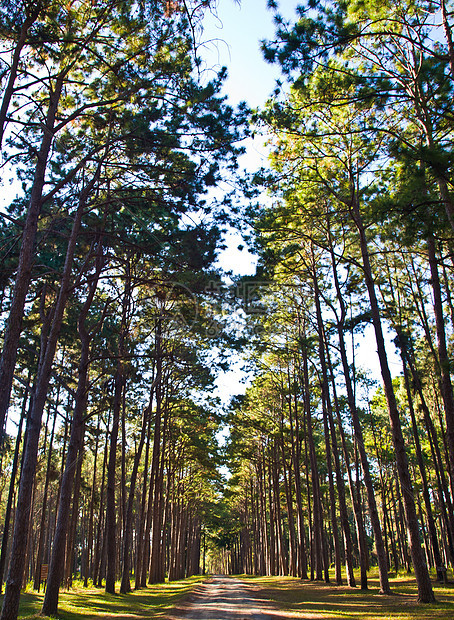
373,511
127,536
23,274
21,526
425,592
12,483
325,405
443,357
56,567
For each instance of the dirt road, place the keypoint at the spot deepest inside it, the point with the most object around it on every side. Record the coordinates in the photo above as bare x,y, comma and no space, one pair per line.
225,598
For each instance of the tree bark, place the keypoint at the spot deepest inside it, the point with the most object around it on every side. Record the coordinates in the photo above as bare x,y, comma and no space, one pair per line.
55,574
127,536
40,550
12,482
444,362
23,275
425,592
17,562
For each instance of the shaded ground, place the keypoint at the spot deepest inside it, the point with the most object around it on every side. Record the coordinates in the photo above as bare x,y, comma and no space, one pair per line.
91,603
271,598
226,598
320,601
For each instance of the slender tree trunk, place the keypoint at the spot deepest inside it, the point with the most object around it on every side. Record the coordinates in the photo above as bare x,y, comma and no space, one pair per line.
345,524
142,515
446,385
97,571
89,569
14,323
111,519
40,550
325,405
156,464
55,573
296,462
373,511
316,494
119,386
286,474
425,592
281,551
71,536
127,536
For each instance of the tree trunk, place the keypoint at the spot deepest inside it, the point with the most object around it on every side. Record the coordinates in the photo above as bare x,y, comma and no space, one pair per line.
375,520
296,462
119,386
316,495
127,536
17,562
56,566
111,529
89,569
325,405
345,524
142,515
422,471
425,592
97,571
444,362
14,323
71,537
40,550
12,482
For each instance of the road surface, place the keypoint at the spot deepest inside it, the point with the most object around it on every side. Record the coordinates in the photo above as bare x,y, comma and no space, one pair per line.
225,598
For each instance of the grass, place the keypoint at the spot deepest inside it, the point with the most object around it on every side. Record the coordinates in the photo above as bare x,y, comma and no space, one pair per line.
309,600
79,602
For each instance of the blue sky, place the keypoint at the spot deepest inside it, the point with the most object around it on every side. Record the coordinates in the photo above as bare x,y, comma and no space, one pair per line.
233,35
239,29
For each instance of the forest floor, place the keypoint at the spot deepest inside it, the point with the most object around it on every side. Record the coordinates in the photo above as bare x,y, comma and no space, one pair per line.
81,603
251,598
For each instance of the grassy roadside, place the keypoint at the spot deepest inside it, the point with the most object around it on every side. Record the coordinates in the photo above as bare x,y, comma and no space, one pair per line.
309,600
79,602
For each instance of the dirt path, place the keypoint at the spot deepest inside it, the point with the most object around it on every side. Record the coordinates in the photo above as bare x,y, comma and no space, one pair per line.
225,598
